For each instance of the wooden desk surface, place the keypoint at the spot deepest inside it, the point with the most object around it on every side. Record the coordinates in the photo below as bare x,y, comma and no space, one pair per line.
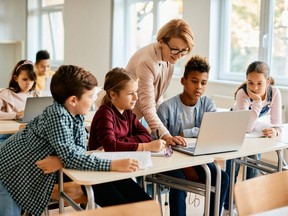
252,146
160,164
145,208
9,126
283,137
12,126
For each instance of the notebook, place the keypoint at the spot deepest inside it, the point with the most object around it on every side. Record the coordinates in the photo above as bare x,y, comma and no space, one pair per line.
35,106
219,132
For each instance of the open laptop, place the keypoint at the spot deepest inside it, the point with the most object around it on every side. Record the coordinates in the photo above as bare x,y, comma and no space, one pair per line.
219,132
35,106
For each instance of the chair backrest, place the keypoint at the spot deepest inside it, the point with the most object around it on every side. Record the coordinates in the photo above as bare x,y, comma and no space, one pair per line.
262,193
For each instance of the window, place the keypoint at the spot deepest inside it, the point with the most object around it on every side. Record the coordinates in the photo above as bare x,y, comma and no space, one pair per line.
142,20
254,30
46,29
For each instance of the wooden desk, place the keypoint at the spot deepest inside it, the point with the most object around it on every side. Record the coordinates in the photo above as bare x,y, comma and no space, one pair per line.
145,208
251,146
283,137
12,126
9,126
160,164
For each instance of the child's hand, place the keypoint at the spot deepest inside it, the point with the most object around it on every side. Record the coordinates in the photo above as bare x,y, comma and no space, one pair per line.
49,164
269,132
124,165
155,145
19,114
254,96
175,140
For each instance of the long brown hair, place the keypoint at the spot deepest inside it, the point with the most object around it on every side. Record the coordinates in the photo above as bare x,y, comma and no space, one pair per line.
23,65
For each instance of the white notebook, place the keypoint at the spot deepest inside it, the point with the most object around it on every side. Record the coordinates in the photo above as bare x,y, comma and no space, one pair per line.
144,158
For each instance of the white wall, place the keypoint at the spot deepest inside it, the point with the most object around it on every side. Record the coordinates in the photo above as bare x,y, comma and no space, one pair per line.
12,29
88,35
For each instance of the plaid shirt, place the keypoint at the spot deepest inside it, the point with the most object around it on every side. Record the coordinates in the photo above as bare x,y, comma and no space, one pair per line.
54,132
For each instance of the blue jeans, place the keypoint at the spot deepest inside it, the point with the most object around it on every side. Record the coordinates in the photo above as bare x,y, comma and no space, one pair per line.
177,198
3,137
8,207
251,173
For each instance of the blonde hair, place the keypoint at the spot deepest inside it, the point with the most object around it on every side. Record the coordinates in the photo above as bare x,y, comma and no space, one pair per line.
177,28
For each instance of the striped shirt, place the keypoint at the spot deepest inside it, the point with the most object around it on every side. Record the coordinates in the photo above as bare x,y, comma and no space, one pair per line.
54,132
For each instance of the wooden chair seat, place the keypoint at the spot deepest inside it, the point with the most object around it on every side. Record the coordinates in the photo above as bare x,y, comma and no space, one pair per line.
262,193
73,190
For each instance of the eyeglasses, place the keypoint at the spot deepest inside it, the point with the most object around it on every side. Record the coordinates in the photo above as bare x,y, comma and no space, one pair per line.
176,51
168,151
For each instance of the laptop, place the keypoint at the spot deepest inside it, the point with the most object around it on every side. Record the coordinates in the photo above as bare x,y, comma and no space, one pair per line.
219,132
34,106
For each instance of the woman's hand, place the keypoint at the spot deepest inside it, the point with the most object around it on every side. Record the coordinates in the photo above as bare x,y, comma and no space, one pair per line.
50,164
124,165
270,132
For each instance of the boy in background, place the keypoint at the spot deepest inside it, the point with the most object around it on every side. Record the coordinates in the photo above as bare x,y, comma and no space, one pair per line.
43,72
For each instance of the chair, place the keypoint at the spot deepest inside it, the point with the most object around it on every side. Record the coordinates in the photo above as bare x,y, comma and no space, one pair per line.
73,190
262,193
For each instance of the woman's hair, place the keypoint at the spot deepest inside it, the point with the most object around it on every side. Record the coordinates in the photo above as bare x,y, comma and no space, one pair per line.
23,65
258,67
116,80
196,63
177,28
71,80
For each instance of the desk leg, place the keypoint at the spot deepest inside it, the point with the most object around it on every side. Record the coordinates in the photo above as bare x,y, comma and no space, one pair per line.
60,191
217,188
280,160
207,189
90,197
232,176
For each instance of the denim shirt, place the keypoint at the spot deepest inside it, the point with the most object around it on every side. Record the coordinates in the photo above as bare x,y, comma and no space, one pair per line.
171,113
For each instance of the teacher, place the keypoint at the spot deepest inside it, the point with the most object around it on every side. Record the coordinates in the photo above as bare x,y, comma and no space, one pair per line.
154,66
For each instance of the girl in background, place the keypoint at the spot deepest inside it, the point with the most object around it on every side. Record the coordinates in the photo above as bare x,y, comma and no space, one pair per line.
13,99
21,86
260,95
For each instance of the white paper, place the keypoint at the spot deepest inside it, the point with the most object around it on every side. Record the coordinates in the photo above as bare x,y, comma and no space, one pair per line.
158,154
143,157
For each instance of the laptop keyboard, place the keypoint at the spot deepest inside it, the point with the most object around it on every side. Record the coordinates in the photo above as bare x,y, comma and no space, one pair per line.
192,149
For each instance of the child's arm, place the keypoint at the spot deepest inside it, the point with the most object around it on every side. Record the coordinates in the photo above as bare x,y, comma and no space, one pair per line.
52,164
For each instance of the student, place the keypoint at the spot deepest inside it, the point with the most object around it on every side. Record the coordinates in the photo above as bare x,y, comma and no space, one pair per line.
43,72
260,95
182,115
154,66
25,180
13,98
114,126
